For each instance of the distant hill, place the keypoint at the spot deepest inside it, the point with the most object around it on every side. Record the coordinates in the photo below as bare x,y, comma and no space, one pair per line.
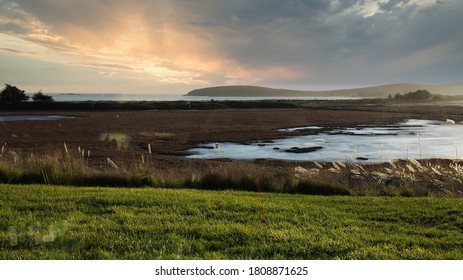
375,91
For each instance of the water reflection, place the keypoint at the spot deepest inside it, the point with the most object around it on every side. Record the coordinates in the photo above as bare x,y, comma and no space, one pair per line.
411,138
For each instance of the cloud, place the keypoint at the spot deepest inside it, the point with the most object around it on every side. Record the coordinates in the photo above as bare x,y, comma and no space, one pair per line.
107,66
16,51
107,74
242,41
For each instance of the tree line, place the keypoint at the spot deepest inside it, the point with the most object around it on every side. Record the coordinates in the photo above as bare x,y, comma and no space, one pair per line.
415,95
12,94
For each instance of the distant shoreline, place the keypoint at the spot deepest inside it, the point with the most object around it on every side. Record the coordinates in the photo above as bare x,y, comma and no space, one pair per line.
82,97
381,91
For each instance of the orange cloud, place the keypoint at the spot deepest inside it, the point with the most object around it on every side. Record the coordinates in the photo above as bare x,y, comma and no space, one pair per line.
167,50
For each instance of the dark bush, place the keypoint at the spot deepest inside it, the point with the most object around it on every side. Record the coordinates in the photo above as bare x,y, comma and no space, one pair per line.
12,94
40,97
416,95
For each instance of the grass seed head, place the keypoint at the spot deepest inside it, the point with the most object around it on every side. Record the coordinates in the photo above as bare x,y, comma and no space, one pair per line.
410,168
388,170
415,162
111,163
436,171
392,164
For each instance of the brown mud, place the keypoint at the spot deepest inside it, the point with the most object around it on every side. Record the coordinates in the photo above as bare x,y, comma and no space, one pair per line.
171,133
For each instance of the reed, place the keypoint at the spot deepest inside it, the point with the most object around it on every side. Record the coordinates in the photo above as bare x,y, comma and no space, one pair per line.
393,178
381,155
112,164
419,145
456,158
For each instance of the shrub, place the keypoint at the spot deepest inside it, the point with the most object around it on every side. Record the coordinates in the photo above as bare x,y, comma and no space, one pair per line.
40,97
12,94
416,95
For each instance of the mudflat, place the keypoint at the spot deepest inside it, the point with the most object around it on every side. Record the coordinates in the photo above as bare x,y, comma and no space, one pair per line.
126,135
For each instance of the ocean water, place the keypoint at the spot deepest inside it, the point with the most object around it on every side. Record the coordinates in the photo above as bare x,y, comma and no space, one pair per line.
116,97
174,97
419,139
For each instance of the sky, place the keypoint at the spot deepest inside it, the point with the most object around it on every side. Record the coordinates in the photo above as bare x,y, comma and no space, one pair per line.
174,46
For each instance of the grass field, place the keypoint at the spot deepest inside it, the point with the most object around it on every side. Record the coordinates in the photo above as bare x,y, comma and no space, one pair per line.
56,222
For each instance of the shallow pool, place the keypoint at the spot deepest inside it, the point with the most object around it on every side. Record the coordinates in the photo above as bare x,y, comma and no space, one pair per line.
33,118
412,138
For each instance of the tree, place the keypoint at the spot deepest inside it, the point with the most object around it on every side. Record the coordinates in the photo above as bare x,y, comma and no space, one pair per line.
12,94
40,97
416,95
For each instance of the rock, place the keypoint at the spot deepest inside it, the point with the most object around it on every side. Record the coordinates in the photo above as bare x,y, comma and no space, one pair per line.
298,150
361,158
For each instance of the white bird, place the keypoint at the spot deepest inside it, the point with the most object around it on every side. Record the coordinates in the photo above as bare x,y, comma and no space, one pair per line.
217,149
450,121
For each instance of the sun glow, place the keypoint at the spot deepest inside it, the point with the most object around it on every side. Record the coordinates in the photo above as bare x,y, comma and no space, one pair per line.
132,48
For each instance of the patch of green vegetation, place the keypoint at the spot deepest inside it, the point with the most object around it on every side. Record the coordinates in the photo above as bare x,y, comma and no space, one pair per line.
53,222
122,139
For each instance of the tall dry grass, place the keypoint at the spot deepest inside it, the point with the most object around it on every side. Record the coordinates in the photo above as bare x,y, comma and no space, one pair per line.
394,178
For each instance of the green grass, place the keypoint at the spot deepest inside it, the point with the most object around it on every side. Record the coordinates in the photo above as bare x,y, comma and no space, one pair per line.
56,222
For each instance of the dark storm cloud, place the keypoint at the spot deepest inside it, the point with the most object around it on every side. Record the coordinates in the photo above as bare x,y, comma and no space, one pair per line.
346,46
322,38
